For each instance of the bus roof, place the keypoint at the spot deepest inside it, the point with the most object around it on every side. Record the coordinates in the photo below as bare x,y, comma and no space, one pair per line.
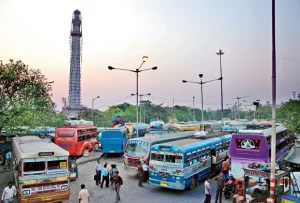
31,146
264,132
159,137
183,142
191,144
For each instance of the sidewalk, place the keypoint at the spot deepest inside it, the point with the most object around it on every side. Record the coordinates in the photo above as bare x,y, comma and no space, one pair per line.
93,156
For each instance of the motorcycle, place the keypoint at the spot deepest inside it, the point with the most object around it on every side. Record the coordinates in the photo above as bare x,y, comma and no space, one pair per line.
230,187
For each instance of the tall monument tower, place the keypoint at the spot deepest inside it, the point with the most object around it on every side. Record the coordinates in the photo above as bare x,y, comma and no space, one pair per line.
75,66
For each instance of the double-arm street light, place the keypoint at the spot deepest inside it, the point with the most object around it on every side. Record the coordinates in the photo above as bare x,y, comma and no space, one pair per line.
141,95
220,52
137,71
201,83
93,106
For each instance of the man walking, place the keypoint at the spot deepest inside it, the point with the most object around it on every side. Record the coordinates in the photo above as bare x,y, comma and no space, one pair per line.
207,190
9,193
220,185
226,168
8,159
145,171
83,195
118,182
98,172
105,176
141,174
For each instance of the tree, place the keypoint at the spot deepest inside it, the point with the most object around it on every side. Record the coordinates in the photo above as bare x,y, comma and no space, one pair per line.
22,89
288,113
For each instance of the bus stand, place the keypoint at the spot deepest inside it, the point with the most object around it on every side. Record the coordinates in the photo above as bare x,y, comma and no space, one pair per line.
260,192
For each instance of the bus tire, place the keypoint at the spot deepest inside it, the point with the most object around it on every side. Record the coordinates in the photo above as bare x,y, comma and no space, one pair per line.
195,182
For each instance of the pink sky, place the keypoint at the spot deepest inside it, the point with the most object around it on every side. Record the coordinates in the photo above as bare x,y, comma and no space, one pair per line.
179,38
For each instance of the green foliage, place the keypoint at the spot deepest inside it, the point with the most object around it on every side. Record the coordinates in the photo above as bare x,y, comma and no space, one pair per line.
289,114
22,89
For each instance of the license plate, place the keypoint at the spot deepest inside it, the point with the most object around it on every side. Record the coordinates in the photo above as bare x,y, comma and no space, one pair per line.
112,151
132,170
164,184
46,198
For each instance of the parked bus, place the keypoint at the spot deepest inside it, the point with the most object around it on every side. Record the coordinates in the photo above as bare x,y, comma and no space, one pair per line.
76,138
114,140
139,148
182,164
40,170
248,146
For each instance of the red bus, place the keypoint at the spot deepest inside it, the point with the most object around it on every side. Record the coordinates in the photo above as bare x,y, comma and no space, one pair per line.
76,139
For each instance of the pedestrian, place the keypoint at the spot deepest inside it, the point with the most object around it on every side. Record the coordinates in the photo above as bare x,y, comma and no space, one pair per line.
118,182
108,169
140,174
9,193
225,168
145,171
112,175
83,195
207,190
98,172
105,176
8,159
220,186
240,191
213,163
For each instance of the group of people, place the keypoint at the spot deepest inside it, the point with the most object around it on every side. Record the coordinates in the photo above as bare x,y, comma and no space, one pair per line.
109,174
220,181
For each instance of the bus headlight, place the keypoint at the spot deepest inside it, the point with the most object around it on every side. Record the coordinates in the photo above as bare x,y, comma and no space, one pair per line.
26,192
64,187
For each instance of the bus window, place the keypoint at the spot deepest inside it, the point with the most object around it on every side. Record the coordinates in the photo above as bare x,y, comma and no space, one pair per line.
174,158
57,164
34,166
157,157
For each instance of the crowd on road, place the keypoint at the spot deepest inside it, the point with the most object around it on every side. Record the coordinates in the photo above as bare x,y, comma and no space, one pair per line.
220,181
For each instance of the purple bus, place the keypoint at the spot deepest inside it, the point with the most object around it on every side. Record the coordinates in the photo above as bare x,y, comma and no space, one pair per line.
248,146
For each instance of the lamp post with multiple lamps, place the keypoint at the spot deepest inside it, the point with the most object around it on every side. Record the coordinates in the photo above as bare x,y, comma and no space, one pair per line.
93,106
201,83
137,71
220,52
141,95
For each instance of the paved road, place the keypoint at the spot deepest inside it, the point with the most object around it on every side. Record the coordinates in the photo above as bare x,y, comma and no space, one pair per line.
130,192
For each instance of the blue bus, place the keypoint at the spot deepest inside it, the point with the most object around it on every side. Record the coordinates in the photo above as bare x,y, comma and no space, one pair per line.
114,140
182,164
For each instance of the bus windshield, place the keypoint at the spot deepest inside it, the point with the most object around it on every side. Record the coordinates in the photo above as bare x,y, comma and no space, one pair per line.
137,148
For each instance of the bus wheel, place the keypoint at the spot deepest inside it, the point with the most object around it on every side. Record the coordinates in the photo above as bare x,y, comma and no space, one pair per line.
194,182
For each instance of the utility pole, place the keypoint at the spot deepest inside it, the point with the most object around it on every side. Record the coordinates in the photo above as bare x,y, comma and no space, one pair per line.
273,137
141,107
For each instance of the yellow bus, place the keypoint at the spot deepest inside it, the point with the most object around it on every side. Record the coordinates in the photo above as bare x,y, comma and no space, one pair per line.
40,170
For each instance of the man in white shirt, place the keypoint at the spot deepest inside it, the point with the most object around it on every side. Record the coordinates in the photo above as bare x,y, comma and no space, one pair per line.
207,190
9,193
146,171
98,172
83,195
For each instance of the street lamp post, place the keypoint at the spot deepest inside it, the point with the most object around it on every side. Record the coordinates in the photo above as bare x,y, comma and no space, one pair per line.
194,109
201,83
141,95
93,106
137,71
220,52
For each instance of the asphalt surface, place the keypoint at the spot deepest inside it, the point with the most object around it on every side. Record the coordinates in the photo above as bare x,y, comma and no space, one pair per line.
130,192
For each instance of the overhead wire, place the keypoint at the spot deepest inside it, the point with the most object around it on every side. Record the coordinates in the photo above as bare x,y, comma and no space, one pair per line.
116,101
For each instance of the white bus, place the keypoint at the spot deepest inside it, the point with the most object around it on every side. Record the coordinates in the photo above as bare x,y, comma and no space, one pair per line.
40,170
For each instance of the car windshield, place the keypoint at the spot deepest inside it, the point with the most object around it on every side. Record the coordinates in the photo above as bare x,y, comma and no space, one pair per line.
137,148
